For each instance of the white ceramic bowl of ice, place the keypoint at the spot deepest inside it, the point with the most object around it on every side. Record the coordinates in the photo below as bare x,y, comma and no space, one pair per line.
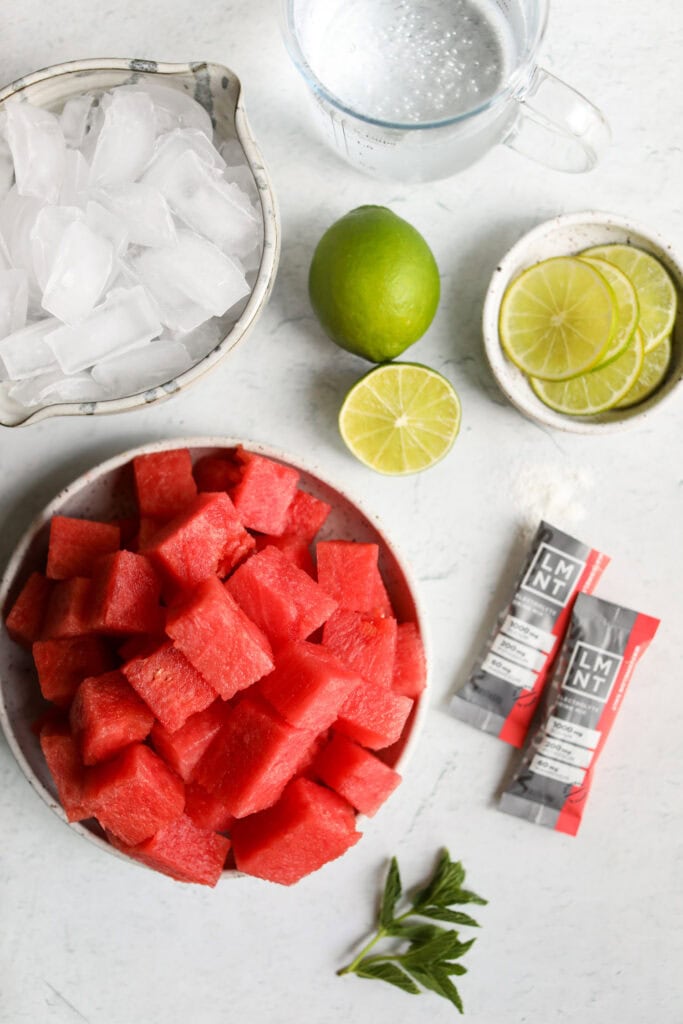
107,491
218,90
568,235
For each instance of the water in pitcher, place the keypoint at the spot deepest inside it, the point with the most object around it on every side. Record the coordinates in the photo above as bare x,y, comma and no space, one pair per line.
409,63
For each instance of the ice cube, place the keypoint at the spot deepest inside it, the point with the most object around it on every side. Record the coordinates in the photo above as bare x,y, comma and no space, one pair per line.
17,218
146,367
25,353
173,107
143,210
6,168
125,320
57,387
46,236
173,144
125,142
210,206
203,340
74,119
38,150
74,190
242,176
108,225
13,301
197,269
81,268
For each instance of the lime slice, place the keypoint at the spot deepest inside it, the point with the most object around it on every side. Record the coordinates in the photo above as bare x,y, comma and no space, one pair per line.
557,319
652,373
654,288
628,311
400,418
597,390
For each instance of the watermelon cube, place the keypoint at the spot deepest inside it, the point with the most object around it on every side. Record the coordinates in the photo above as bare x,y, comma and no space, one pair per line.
307,827
169,685
252,758
348,571
264,493
366,643
106,716
164,483
207,810
183,749
216,473
125,595
305,515
66,768
134,794
309,685
410,667
356,774
146,532
373,716
128,531
206,539
63,664
220,641
183,851
75,544
69,609
24,621
294,548
279,597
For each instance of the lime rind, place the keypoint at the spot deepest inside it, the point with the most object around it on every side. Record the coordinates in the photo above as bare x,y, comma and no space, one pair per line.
557,319
652,374
627,306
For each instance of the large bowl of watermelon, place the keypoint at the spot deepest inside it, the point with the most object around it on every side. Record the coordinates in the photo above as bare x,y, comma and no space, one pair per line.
212,662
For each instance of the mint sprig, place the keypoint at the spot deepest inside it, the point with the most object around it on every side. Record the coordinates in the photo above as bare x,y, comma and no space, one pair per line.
423,955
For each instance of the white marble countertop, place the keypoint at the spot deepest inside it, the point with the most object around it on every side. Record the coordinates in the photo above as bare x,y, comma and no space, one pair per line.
586,929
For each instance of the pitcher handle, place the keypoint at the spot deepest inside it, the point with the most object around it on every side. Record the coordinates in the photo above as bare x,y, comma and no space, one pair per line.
557,126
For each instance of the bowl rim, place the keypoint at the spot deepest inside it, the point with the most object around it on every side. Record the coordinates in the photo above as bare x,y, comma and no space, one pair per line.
267,271
513,262
209,441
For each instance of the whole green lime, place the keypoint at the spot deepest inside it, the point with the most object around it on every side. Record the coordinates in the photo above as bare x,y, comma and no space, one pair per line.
374,283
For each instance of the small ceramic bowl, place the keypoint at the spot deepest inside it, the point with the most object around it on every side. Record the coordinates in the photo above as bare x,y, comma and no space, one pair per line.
106,492
568,235
219,91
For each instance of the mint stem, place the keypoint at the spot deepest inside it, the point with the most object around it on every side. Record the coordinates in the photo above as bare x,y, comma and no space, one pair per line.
380,934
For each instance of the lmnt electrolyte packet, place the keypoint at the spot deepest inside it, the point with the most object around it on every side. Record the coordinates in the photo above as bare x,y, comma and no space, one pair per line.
503,690
588,683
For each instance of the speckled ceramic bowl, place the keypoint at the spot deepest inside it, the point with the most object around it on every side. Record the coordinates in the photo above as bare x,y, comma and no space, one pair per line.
566,236
219,91
106,491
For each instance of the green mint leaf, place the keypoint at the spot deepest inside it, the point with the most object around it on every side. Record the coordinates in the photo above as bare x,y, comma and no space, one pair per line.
414,932
446,988
446,946
390,973
453,968
392,892
423,976
465,896
436,881
452,916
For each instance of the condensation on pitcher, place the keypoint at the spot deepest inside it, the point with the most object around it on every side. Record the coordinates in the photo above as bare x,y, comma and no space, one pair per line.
413,62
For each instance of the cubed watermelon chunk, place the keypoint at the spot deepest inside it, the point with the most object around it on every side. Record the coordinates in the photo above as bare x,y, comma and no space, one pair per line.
366,643
410,667
62,665
252,758
220,641
169,685
305,515
147,531
264,493
69,609
25,619
134,794
66,769
206,539
164,483
207,810
183,749
356,774
294,548
373,716
348,571
306,828
309,685
125,595
216,473
106,716
183,851
279,597
75,545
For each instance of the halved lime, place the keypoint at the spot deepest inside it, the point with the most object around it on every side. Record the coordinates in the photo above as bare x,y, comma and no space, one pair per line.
557,319
597,390
400,418
654,288
628,311
652,373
